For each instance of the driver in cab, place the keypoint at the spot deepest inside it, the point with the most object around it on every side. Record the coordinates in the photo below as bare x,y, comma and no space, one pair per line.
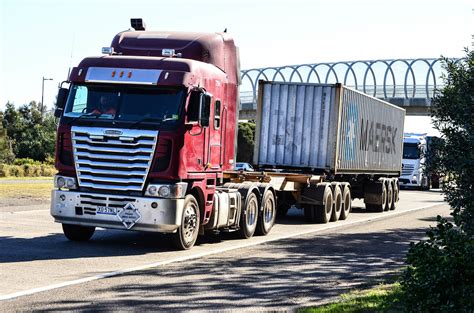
105,106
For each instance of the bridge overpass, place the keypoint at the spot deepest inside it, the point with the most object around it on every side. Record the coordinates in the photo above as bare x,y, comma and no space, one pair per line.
408,83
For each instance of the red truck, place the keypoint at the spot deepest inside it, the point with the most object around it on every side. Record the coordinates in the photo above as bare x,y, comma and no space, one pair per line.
147,141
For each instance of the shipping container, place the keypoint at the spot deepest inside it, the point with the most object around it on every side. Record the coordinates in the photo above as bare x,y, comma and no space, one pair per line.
327,127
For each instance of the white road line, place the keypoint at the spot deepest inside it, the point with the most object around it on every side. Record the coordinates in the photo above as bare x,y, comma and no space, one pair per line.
203,254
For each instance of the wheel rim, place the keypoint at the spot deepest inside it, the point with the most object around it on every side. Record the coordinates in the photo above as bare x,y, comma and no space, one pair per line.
251,217
338,203
329,204
190,223
268,210
384,197
389,199
347,203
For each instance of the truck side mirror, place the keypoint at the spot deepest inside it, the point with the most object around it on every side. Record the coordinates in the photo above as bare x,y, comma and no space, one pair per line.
205,109
61,101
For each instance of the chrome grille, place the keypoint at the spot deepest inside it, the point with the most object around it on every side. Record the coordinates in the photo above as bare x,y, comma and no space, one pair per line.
113,159
89,203
407,169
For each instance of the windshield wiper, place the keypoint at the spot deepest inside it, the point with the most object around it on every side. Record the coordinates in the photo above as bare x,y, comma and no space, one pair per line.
147,119
90,114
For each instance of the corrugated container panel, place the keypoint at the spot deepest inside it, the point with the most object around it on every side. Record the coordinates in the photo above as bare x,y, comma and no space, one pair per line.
324,126
371,136
293,127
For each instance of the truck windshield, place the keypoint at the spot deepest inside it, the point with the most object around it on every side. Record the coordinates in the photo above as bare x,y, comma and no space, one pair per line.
125,103
411,151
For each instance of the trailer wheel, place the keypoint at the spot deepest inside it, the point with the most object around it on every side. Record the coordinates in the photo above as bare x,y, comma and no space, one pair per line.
309,212
267,216
388,203
337,196
248,218
378,207
396,191
78,232
323,212
346,203
187,233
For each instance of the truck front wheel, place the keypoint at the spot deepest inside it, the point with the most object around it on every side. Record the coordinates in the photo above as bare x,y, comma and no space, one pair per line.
78,232
187,233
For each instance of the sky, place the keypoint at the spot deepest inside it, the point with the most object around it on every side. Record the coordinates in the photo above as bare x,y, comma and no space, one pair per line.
43,38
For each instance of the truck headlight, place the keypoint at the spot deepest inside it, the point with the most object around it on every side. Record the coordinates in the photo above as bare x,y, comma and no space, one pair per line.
64,182
174,191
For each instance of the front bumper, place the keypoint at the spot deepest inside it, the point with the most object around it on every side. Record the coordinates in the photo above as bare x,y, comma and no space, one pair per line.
81,208
405,181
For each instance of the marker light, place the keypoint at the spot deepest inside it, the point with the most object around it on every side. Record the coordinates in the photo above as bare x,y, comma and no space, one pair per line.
107,50
168,52
173,191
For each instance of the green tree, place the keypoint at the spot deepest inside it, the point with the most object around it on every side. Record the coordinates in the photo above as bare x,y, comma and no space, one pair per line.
245,141
440,272
31,136
6,152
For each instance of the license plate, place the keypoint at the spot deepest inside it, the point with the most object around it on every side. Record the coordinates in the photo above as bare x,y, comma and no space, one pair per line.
107,210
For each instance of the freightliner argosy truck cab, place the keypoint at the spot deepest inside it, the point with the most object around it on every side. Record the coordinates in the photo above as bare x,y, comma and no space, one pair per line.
141,139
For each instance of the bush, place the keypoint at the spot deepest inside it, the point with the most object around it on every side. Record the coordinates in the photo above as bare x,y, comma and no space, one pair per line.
26,170
441,273
17,171
47,170
32,170
26,161
5,170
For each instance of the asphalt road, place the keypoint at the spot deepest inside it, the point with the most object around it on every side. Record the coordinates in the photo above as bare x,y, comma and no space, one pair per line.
297,264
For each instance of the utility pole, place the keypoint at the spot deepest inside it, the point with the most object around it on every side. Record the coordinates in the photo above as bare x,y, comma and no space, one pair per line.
42,96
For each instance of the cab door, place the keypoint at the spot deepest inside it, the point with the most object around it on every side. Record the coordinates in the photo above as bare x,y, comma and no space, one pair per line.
215,136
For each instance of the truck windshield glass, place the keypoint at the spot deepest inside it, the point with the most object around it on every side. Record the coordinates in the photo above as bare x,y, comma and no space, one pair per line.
411,151
124,102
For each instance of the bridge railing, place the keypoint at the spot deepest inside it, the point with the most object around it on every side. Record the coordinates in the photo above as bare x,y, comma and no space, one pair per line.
402,79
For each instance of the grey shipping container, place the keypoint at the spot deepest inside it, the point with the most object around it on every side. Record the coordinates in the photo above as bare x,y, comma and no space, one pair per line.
327,127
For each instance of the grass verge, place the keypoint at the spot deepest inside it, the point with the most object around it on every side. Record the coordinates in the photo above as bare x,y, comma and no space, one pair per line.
27,189
383,298
6,179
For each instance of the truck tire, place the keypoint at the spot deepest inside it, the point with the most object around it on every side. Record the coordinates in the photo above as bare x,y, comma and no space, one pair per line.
323,212
388,203
378,207
284,201
396,191
346,203
267,215
309,212
248,218
187,233
78,232
336,211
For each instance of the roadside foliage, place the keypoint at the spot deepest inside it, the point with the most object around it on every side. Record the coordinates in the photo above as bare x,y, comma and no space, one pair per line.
440,272
27,141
